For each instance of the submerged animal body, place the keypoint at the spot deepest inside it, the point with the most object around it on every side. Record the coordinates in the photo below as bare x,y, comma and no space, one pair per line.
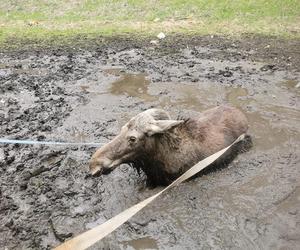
164,148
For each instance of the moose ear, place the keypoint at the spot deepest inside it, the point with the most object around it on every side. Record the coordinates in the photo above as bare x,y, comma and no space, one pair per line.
160,126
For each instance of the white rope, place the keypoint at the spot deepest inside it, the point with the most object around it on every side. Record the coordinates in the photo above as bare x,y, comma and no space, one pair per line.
30,142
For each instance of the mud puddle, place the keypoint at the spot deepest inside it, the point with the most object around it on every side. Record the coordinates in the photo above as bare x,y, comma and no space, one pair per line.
274,125
142,243
47,196
271,125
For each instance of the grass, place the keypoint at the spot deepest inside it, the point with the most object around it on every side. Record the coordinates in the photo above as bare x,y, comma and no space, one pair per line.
43,19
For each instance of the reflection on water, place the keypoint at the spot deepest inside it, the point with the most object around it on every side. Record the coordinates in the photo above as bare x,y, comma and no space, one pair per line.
189,97
142,243
263,128
236,96
267,120
135,85
291,84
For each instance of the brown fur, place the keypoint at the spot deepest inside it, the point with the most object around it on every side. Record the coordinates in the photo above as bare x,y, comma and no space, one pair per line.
164,156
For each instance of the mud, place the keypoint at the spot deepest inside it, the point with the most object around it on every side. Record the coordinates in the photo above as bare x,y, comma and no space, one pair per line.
86,95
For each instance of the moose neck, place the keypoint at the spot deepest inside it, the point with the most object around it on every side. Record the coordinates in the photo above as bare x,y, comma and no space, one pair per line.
173,148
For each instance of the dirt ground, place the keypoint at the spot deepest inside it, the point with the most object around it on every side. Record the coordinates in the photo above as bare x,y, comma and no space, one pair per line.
86,93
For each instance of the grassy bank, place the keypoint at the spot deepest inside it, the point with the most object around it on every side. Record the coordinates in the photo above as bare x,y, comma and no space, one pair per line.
43,19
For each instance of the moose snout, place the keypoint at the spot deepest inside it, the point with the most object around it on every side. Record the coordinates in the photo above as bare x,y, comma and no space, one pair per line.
100,166
95,169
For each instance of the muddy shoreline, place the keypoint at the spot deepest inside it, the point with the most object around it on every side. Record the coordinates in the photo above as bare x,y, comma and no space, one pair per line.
86,93
283,52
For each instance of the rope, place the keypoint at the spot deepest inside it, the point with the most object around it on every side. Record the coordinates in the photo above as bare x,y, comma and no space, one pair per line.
30,142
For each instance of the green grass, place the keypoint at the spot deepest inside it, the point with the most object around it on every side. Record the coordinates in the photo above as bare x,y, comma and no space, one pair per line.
44,19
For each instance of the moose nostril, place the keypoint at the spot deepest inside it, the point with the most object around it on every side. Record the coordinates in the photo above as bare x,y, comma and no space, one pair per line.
106,171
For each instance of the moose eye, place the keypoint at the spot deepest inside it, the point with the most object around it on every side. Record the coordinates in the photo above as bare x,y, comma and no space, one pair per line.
132,139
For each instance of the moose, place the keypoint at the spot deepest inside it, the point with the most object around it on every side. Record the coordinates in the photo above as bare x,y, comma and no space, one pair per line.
164,148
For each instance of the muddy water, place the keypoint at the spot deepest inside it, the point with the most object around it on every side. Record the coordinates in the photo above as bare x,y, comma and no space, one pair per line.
269,121
273,125
47,196
135,85
142,243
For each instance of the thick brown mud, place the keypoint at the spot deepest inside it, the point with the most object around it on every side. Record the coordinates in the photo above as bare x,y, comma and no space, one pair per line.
86,95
